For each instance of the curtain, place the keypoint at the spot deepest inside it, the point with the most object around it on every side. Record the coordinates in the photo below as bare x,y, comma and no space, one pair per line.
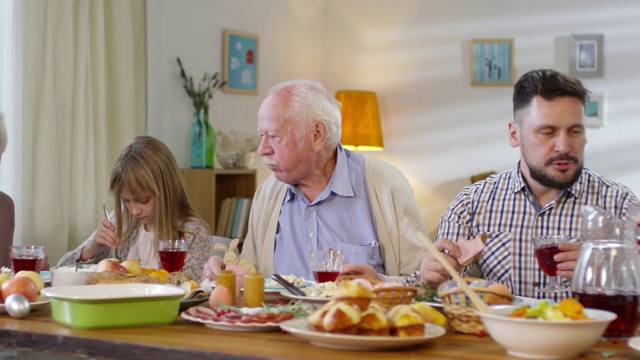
83,100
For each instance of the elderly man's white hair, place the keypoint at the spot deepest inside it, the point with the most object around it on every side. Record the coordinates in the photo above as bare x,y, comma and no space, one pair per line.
310,101
3,134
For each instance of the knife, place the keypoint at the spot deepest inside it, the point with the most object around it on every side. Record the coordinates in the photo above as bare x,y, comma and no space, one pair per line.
287,285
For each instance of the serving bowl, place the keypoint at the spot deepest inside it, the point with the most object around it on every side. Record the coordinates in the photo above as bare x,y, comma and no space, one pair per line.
544,339
70,275
114,305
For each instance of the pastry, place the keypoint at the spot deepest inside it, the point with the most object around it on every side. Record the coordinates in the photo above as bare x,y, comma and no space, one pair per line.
341,318
354,294
374,321
177,278
405,321
117,277
316,318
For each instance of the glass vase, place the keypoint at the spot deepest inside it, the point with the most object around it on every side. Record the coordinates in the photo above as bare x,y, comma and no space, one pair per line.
210,141
198,145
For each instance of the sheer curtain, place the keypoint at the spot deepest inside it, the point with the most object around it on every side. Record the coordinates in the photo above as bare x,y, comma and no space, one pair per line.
83,99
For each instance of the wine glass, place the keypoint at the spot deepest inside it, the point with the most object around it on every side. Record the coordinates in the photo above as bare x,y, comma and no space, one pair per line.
326,264
172,254
546,247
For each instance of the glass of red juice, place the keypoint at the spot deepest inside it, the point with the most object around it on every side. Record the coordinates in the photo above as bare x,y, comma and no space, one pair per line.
546,247
28,258
172,254
326,265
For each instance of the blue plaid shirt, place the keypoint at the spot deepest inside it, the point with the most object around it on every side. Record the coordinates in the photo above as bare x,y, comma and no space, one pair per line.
503,207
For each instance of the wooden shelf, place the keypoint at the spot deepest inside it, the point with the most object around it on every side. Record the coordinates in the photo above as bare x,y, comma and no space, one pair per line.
208,187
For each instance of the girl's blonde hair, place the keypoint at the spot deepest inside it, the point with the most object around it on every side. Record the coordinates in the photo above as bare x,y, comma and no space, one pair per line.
148,166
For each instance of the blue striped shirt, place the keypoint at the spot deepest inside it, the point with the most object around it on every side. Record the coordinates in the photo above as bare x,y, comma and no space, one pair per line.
503,207
339,218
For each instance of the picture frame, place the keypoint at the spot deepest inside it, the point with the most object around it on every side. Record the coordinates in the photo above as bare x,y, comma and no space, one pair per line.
492,62
240,62
595,111
586,59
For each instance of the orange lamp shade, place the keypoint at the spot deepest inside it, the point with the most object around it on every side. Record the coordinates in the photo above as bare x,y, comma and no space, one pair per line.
361,128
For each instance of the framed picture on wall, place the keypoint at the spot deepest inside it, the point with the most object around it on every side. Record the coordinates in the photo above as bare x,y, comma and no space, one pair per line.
586,59
595,110
240,62
492,62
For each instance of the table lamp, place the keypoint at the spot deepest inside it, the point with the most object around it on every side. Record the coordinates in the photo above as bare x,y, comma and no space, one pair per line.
361,130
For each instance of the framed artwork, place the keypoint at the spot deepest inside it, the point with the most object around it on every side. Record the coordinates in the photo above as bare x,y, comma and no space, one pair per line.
240,62
595,110
586,59
492,62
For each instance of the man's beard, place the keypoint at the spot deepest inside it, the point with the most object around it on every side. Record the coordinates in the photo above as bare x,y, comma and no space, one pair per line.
543,179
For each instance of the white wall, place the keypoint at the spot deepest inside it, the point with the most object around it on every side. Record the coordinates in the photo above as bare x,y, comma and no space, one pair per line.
415,54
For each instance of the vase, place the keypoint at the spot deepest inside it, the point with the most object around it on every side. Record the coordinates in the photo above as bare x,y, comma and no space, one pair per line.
210,142
198,145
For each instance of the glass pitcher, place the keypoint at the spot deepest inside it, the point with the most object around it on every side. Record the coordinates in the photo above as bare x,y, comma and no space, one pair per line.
606,274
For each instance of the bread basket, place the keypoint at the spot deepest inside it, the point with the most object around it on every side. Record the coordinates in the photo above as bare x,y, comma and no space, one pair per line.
459,310
388,296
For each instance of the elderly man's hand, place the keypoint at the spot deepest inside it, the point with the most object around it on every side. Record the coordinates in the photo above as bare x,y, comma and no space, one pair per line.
431,271
360,270
211,268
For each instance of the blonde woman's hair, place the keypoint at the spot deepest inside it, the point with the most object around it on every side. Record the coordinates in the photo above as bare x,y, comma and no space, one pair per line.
148,166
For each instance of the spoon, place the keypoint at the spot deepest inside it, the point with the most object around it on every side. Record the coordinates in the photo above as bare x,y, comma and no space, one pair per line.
287,285
106,214
475,299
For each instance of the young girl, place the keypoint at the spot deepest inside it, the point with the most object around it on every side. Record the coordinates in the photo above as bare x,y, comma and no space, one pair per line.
151,205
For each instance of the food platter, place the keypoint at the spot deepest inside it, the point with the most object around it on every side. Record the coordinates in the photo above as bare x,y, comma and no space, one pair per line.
203,315
41,301
305,299
300,328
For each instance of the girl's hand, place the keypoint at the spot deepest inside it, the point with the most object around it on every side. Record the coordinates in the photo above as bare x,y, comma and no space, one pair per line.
104,236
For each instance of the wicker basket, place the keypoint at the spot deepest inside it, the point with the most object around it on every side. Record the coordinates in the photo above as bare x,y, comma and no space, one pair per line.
461,313
395,295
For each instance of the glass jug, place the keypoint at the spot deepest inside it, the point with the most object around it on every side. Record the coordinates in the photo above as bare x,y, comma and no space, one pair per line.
606,274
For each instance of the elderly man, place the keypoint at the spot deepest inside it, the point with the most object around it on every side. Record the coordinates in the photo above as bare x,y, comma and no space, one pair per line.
7,209
322,196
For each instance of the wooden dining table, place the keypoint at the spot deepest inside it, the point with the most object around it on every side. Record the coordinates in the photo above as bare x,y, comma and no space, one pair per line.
187,340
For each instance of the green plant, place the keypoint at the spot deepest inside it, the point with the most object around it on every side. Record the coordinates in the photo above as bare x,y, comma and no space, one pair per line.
204,92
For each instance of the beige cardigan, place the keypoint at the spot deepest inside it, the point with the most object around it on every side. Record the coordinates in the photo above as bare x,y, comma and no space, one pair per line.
394,206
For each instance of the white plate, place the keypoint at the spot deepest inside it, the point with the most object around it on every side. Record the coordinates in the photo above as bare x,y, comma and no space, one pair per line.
634,343
40,302
305,299
300,328
222,325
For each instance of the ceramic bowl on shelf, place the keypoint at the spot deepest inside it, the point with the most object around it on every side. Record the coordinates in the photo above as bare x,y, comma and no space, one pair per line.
235,159
544,339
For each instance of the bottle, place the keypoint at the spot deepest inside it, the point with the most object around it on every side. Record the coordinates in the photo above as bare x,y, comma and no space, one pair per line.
227,279
253,289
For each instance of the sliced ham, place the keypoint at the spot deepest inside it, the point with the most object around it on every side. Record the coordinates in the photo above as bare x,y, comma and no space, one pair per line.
471,249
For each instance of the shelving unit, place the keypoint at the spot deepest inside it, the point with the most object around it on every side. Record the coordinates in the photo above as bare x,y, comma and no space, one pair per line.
208,187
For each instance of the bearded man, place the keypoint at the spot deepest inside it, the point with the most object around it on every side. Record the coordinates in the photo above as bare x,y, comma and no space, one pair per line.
543,195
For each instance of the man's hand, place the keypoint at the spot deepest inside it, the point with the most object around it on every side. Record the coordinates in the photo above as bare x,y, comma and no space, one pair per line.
360,270
431,271
567,258
211,268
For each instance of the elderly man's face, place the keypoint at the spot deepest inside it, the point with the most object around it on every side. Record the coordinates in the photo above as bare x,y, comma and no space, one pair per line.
285,147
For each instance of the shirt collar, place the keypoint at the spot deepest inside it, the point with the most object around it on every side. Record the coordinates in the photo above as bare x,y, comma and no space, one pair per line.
339,183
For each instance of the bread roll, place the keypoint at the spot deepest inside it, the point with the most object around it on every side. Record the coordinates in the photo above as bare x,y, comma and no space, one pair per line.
405,321
116,277
354,294
341,318
374,321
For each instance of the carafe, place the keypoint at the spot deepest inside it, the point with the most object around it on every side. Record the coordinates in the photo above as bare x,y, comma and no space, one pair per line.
606,274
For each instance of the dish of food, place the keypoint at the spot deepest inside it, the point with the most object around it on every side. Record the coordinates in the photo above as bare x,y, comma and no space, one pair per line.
279,288
238,319
42,301
300,328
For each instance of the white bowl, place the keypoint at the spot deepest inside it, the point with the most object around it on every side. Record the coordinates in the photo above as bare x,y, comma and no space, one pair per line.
541,339
69,275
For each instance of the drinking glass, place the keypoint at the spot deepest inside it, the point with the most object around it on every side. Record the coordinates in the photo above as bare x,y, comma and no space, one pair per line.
29,258
326,265
634,214
545,248
172,254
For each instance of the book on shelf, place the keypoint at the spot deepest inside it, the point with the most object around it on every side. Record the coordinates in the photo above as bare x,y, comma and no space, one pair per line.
244,218
236,217
223,218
